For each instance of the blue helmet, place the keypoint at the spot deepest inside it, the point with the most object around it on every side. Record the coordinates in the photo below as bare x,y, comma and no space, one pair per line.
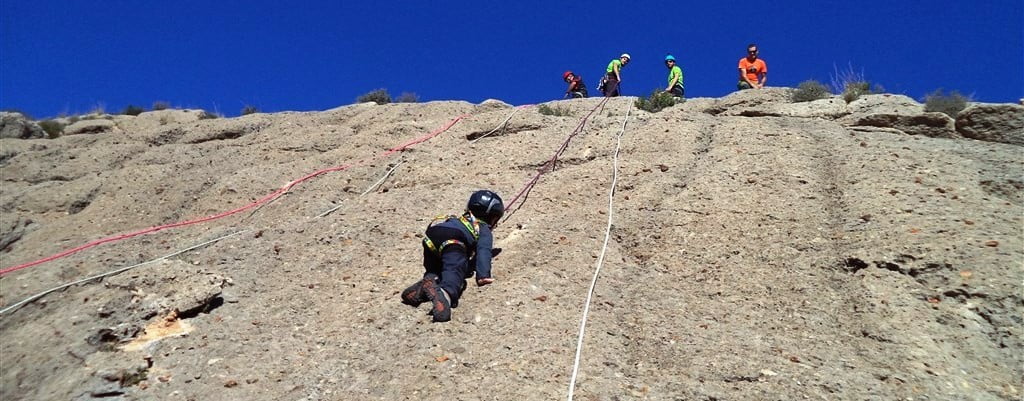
670,58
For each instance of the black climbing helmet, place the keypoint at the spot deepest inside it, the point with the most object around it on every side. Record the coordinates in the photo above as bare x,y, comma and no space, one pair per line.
486,205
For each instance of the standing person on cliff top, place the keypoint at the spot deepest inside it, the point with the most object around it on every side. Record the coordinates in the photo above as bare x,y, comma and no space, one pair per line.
612,78
675,77
753,71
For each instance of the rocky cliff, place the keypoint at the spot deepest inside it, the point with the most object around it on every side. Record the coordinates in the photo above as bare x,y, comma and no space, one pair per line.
760,249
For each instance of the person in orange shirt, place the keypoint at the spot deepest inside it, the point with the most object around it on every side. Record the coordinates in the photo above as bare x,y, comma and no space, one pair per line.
753,71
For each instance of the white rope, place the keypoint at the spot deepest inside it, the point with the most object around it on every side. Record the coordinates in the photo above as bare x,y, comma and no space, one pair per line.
368,189
600,259
498,127
111,273
386,175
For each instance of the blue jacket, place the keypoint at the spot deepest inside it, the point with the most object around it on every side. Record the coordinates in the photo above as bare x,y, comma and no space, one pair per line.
481,257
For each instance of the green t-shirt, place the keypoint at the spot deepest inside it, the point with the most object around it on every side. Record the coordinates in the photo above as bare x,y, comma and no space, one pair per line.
613,64
676,72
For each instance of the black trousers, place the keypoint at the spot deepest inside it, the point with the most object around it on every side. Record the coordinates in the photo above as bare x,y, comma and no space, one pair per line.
451,268
611,86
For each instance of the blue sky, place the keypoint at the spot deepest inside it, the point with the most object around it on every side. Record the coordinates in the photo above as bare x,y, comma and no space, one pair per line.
69,56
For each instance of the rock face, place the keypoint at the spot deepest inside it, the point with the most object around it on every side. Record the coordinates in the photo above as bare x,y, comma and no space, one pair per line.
16,125
90,127
759,249
992,122
935,125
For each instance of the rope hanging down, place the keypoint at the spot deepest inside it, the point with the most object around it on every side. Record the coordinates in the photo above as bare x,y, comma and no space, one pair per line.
265,199
600,259
113,272
549,165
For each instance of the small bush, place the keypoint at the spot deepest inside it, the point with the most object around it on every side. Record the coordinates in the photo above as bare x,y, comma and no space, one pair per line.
161,105
658,101
132,110
53,128
379,96
249,110
810,90
854,90
205,115
407,97
99,109
950,104
556,111
852,84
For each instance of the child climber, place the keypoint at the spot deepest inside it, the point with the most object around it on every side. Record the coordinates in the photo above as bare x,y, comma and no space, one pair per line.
450,246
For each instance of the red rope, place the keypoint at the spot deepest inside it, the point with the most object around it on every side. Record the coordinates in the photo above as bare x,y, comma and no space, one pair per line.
263,200
525,192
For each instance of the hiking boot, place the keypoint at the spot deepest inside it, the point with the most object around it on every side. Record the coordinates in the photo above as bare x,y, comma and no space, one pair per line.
418,293
442,307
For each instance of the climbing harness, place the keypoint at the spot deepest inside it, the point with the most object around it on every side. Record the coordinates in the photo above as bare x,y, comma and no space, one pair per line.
470,223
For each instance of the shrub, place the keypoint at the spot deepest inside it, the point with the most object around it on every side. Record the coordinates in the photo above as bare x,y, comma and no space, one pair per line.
379,96
99,109
854,90
810,90
205,115
852,84
249,110
161,105
407,97
556,111
132,110
950,104
658,101
53,128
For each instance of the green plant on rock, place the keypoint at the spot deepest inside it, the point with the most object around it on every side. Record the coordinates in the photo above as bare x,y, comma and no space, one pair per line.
407,97
161,105
52,128
854,90
248,109
132,110
950,104
658,101
557,111
810,90
379,96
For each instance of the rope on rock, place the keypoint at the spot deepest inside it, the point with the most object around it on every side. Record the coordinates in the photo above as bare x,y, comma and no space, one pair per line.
600,259
549,165
113,272
268,198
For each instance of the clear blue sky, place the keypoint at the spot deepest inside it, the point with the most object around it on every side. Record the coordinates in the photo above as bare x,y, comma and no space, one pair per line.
68,56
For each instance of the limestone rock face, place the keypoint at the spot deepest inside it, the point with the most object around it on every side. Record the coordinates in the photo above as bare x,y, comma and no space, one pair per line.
90,127
886,103
992,122
935,125
16,125
848,251
752,99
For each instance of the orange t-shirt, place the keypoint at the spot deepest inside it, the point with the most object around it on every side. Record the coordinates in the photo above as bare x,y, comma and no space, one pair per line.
753,70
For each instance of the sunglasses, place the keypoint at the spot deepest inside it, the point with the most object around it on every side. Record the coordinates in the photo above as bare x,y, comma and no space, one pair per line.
752,51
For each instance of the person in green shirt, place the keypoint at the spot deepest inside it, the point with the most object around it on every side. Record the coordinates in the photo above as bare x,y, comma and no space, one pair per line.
612,77
675,77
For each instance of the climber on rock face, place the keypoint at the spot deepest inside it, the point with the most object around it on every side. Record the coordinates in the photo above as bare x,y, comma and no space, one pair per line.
451,245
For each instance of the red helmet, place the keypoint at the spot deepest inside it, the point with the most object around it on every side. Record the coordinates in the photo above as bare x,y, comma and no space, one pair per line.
566,75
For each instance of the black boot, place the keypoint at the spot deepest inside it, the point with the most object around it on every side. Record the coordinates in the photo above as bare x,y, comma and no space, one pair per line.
418,293
441,306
